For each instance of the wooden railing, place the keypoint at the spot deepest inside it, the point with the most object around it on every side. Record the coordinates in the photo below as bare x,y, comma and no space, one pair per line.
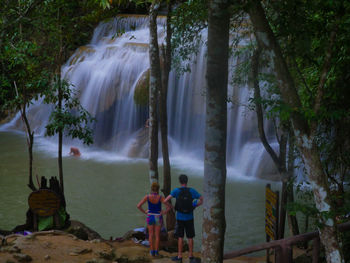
284,247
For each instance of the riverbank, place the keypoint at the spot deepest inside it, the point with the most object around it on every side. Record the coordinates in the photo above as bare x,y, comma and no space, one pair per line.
80,244
58,246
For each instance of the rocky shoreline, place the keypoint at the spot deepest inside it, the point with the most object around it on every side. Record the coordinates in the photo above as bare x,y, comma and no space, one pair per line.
80,244
56,246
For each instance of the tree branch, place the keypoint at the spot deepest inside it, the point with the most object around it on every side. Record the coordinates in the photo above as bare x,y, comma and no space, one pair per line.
258,108
266,38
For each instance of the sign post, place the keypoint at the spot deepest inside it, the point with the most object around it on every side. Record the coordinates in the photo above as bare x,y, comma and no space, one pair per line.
271,216
44,202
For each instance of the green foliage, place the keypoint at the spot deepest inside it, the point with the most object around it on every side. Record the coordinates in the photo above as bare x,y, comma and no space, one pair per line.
271,102
304,206
23,77
188,21
242,69
307,50
306,47
104,3
37,36
71,117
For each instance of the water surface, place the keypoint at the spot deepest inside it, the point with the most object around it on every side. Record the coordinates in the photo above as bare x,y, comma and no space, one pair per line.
102,191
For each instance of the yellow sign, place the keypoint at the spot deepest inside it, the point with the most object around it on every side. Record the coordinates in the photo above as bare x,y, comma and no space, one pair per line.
271,213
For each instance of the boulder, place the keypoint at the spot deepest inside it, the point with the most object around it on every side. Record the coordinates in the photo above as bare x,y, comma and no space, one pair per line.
133,254
142,89
138,147
134,234
81,231
22,257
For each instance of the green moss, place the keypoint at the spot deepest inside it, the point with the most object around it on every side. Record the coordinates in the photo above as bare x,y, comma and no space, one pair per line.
141,92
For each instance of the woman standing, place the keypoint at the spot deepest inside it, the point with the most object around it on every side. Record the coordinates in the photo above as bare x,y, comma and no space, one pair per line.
154,216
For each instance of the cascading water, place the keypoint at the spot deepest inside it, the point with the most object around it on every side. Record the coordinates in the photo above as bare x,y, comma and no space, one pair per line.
106,73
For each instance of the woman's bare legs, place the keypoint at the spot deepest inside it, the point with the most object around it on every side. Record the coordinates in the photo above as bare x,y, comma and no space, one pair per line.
157,230
150,236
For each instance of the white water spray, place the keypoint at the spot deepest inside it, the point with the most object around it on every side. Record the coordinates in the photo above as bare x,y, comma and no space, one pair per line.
105,73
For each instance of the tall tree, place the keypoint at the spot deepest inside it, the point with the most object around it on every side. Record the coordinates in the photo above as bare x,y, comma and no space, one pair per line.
31,38
304,130
59,60
283,164
22,102
155,85
163,118
22,76
68,117
214,223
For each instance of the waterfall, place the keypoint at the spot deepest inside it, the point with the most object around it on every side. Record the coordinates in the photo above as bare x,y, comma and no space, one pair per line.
105,74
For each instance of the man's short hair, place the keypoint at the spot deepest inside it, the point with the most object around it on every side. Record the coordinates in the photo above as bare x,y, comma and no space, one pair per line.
183,179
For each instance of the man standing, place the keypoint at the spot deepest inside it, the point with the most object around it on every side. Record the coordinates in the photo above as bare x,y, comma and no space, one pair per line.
185,204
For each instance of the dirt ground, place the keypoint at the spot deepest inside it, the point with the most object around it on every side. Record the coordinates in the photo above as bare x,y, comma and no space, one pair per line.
60,247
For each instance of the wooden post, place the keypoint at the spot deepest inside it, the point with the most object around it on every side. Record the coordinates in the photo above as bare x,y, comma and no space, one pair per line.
287,254
282,211
277,218
35,222
286,242
56,220
267,250
315,249
277,214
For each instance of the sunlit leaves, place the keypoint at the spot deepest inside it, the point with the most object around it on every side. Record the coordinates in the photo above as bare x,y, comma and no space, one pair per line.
104,3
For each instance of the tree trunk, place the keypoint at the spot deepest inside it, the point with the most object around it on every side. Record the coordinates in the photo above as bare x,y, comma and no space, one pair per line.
305,137
154,87
170,217
293,222
60,138
30,142
60,131
283,209
279,161
214,224
30,136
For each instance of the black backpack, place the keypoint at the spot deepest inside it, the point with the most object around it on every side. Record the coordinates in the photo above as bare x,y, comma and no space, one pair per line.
184,201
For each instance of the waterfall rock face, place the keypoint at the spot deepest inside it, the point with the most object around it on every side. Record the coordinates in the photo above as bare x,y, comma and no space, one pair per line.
108,71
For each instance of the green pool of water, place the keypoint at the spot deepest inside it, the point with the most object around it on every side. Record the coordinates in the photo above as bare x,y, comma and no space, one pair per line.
104,195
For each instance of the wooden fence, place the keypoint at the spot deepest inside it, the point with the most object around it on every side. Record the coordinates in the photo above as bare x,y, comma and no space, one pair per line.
284,247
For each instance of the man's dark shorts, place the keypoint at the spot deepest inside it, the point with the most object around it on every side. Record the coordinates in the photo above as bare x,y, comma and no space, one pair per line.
182,226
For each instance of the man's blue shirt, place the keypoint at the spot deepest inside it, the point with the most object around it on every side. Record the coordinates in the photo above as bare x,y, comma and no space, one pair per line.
195,195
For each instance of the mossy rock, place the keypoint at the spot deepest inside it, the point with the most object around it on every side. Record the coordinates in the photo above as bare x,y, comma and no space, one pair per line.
81,54
81,231
132,254
141,93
